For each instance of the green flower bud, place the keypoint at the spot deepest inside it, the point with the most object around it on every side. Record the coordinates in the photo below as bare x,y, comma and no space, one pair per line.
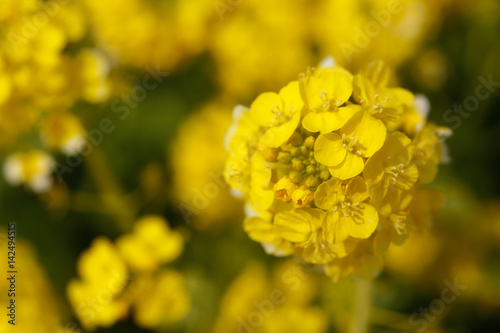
284,157
312,181
304,151
311,169
298,165
295,177
295,152
309,142
325,175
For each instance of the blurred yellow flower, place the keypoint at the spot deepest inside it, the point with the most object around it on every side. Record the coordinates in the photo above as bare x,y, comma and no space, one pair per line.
63,131
254,302
37,307
106,290
163,32
104,275
32,168
160,299
198,158
279,46
151,244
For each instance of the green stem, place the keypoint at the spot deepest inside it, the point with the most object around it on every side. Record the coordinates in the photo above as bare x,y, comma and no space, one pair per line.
361,309
111,193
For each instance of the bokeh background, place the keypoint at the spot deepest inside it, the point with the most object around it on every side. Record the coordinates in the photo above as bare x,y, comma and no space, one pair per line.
129,103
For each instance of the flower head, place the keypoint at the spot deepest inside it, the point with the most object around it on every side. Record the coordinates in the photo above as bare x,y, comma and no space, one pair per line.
326,167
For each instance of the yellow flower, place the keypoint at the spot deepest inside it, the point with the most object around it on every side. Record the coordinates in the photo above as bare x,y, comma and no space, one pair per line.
284,303
41,311
104,275
103,295
32,168
202,194
381,103
261,229
363,263
151,244
390,171
63,131
333,187
347,214
282,45
428,151
324,94
260,195
284,189
344,153
303,196
161,299
280,112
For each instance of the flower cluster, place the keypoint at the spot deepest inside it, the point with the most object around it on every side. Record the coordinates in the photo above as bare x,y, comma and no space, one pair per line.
46,68
330,166
115,277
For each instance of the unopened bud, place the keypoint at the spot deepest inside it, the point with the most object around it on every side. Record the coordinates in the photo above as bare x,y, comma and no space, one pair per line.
284,157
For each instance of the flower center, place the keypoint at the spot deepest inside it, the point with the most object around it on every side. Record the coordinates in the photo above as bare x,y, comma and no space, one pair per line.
351,144
280,116
397,176
346,208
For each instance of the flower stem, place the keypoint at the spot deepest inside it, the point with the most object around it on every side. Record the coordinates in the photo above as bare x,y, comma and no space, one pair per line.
111,193
361,308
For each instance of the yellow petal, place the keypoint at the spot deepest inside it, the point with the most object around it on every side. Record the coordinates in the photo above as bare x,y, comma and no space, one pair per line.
364,92
350,167
328,121
332,86
258,229
374,170
276,136
328,149
290,95
328,194
335,231
378,73
262,108
297,225
356,190
369,131
317,252
363,223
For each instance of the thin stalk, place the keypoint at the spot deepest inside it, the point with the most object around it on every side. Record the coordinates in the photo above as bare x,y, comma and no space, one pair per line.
112,194
361,309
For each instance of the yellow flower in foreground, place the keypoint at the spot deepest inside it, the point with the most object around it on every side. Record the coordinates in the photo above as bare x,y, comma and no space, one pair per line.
280,112
333,184
323,94
347,214
344,152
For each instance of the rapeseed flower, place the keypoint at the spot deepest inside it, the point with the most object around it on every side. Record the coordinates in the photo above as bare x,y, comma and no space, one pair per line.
326,168
115,279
